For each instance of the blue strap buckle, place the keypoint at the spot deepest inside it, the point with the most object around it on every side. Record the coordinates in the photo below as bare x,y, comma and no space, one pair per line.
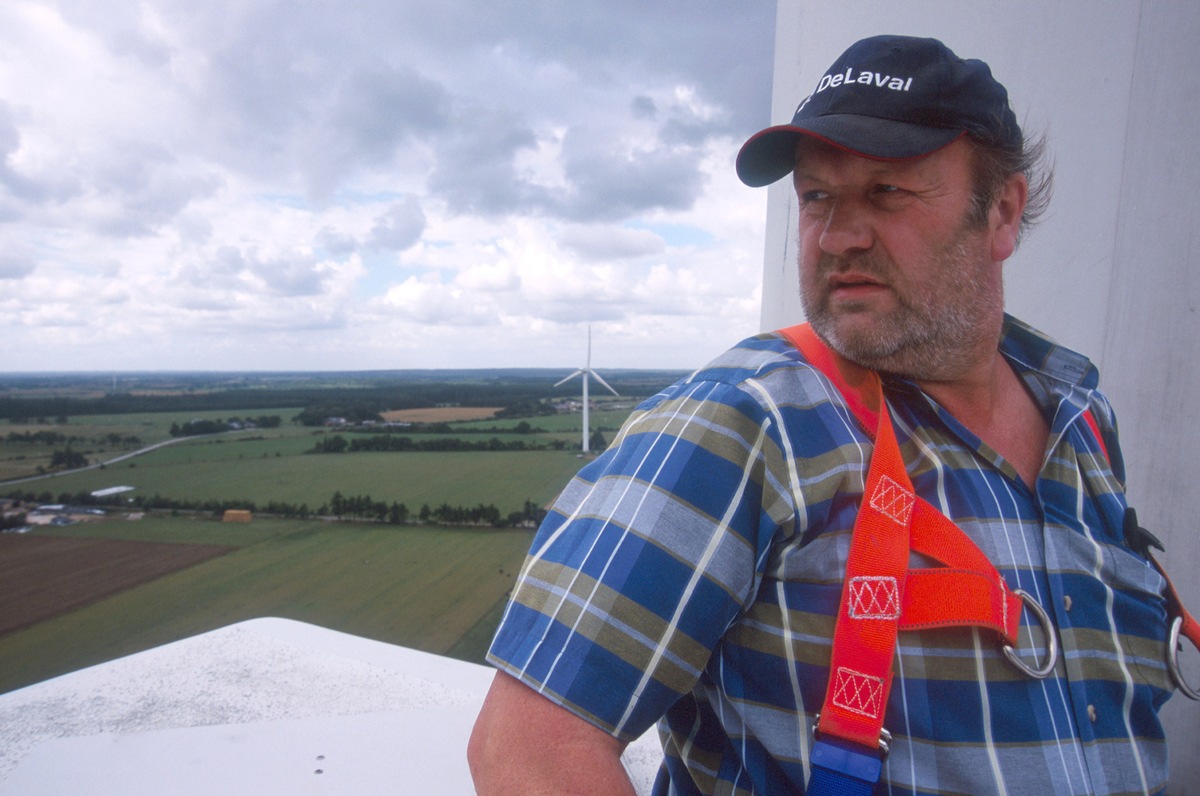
864,765
842,768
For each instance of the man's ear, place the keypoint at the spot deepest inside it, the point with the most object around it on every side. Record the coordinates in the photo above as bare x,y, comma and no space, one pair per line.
1004,217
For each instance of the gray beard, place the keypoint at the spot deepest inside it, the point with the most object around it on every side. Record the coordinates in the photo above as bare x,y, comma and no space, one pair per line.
935,333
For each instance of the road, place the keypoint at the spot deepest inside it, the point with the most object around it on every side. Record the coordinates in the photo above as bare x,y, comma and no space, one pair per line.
114,460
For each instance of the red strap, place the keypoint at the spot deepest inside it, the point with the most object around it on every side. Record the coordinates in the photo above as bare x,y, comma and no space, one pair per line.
859,386
864,639
1190,628
932,533
966,590
1090,419
881,594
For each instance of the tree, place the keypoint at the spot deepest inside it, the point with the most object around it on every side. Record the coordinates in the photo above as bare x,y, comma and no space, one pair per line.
67,459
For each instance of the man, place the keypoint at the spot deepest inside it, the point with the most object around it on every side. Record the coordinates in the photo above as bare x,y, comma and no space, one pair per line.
693,572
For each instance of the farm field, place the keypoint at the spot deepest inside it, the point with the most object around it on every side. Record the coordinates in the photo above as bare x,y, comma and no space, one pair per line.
221,469
440,414
80,571
80,595
263,465
568,424
98,437
436,589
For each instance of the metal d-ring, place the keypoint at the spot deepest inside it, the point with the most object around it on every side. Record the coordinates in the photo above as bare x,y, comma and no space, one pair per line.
1173,660
1051,641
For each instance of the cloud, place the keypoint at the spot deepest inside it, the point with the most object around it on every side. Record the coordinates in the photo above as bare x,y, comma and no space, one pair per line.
400,226
242,271
613,185
16,266
595,242
335,243
374,177
433,303
20,180
476,166
374,111
643,107
146,187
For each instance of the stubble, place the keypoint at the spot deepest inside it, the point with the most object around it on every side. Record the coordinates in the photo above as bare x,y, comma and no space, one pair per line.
940,326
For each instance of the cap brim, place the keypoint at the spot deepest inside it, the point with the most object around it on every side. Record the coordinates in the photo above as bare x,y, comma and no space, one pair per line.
771,153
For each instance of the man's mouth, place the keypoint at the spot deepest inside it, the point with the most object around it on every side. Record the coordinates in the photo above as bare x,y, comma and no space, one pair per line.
853,282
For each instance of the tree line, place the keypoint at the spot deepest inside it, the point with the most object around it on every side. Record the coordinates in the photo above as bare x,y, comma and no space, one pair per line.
388,443
360,508
58,438
349,395
194,428
363,507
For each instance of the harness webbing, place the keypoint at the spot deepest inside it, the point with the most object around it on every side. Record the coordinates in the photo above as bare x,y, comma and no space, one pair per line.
881,594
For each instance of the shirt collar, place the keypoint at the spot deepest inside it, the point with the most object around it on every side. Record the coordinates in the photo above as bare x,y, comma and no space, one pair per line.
1052,371
1032,350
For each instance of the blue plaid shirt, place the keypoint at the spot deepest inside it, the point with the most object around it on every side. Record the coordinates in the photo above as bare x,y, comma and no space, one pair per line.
691,576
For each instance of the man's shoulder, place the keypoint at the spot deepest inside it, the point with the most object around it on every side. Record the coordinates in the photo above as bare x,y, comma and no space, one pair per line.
764,368
751,358
763,375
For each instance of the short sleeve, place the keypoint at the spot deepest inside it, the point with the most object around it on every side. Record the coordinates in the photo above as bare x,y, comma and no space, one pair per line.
646,558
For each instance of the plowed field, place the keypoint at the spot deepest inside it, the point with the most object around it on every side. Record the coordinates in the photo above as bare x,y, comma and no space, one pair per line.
44,576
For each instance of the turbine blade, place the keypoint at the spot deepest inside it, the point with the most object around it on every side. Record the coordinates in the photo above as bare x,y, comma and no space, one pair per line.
596,376
568,378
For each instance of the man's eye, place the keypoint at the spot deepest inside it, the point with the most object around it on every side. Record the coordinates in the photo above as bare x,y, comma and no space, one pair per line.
884,188
807,197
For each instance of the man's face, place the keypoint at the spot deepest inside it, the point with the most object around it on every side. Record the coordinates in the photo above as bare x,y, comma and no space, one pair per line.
892,273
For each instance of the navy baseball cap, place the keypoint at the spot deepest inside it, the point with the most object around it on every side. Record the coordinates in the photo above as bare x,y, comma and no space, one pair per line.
889,98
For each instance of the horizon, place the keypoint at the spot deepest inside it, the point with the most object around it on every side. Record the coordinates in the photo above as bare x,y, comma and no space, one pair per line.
108,374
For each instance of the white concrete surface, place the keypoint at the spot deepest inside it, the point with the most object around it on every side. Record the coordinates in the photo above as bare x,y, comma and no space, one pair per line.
269,706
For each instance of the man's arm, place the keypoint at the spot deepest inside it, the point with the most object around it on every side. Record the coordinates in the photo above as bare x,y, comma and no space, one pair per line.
525,744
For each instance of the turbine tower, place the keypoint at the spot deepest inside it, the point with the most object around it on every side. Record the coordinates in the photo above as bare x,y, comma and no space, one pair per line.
585,372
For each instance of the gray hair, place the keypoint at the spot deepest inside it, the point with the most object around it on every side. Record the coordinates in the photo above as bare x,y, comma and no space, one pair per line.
992,166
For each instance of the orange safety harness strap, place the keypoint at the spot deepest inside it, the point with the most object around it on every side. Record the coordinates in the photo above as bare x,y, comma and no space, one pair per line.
881,594
1182,622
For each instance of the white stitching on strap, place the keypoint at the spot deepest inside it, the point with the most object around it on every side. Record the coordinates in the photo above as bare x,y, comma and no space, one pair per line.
892,501
874,597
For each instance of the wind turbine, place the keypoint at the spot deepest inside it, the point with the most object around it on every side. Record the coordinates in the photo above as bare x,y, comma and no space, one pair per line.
585,372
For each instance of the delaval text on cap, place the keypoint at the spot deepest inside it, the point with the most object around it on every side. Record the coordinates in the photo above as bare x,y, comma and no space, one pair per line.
889,98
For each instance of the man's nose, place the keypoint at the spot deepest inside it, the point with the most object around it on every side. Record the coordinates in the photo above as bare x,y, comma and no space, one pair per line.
847,230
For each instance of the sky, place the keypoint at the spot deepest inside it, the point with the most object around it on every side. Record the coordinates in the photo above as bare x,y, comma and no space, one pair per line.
384,184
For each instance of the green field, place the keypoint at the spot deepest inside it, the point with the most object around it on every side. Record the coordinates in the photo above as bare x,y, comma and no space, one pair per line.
100,437
568,425
228,470
435,588
264,465
431,588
